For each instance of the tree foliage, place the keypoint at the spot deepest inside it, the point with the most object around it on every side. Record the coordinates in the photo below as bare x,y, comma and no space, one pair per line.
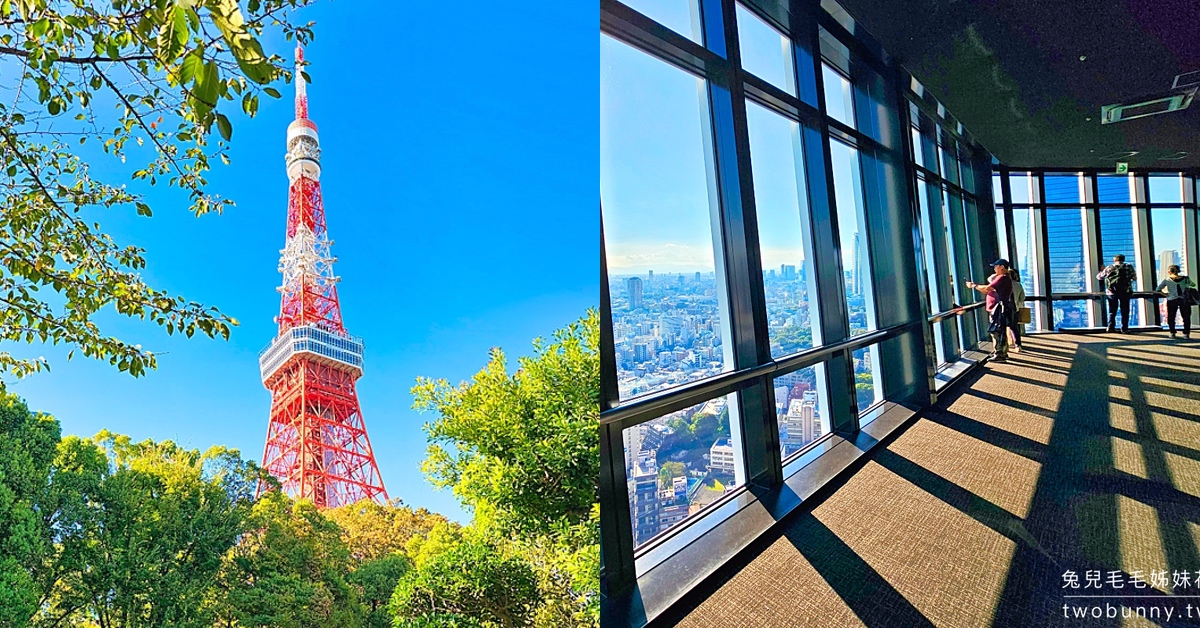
289,569
523,445
373,531
521,451
148,80
473,579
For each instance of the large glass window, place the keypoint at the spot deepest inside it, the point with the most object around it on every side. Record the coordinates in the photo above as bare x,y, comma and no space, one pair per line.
801,408
1025,228
936,284
856,263
839,99
667,296
679,464
1166,224
1117,238
780,199
1021,187
766,53
1064,235
681,16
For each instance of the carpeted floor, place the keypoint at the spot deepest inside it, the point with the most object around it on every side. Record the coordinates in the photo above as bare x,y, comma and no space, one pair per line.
1081,454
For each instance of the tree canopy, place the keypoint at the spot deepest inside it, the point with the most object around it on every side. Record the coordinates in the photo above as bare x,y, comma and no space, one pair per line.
142,80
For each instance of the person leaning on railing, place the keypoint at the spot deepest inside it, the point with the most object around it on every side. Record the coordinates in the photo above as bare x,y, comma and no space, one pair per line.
999,305
1181,296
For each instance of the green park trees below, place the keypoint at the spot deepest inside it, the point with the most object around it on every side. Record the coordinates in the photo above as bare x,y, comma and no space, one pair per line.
111,533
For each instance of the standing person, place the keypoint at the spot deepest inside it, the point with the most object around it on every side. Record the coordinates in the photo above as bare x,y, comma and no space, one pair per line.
1118,284
1014,330
999,306
1176,287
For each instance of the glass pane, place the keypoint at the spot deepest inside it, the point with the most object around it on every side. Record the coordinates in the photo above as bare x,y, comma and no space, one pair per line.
1116,237
866,377
680,463
1113,188
839,102
781,203
1064,228
997,191
666,301
1166,189
968,175
1021,187
856,263
949,162
800,405
1027,263
766,53
1070,314
1167,226
1002,234
917,147
680,16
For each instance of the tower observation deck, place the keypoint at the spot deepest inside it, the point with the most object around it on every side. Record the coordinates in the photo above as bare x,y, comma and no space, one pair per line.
317,443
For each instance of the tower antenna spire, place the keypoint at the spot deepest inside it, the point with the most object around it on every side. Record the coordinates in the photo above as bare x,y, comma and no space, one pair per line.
301,92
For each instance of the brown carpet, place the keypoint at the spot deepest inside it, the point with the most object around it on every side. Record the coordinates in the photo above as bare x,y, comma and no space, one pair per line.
1081,454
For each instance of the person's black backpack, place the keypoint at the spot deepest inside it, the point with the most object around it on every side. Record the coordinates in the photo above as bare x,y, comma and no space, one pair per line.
1119,279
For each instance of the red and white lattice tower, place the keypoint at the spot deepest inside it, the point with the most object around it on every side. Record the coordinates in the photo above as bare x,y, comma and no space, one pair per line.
317,443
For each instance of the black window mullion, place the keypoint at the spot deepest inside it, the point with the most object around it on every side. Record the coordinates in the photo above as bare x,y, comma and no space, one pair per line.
747,313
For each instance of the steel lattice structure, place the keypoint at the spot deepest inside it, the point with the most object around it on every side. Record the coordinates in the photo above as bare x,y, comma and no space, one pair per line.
317,443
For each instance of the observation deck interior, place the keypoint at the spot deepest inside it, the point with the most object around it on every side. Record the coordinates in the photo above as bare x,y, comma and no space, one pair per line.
1081,453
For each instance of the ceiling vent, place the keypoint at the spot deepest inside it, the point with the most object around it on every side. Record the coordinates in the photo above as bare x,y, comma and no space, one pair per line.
1183,89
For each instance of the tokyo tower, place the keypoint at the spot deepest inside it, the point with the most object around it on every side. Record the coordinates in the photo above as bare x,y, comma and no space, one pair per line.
317,443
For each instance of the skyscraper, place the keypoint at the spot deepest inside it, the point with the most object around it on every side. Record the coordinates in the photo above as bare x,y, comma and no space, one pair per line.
317,443
633,289
1166,259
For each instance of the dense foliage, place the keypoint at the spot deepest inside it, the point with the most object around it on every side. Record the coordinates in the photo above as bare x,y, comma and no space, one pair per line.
144,80
111,533
521,451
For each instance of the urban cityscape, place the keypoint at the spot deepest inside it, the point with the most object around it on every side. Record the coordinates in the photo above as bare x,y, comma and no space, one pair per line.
667,331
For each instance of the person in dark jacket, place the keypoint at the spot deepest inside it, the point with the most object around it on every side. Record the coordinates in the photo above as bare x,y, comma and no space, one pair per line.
999,305
1118,281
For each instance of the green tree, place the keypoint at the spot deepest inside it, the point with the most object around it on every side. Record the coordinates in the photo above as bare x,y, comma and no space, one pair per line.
289,569
473,579
376,581
373,531
174,70
522,445
27,446
669,471
155,523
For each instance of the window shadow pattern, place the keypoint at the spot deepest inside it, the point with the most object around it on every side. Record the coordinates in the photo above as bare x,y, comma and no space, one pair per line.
1081,454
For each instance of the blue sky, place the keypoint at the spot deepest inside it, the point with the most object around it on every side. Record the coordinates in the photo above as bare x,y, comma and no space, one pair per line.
458,176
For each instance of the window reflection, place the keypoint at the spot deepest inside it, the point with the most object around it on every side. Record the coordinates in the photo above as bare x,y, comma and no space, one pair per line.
665,291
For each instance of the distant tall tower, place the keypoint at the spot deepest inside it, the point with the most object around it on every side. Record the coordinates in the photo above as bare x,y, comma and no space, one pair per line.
317,442
633,286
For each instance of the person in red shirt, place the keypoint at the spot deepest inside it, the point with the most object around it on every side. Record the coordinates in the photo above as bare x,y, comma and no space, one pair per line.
999,305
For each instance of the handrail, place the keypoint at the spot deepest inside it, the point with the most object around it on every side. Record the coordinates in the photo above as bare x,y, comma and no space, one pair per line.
1077,296
666,401
962,309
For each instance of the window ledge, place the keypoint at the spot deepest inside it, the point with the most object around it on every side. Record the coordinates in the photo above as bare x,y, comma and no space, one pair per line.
680,564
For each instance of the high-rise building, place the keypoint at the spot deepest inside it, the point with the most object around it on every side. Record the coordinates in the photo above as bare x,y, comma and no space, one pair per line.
317,443
1165,260
802,423
1064,233
633,290
697,276
644,508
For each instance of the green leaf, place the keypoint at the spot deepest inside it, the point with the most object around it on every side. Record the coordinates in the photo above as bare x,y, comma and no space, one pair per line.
271,91
224,127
